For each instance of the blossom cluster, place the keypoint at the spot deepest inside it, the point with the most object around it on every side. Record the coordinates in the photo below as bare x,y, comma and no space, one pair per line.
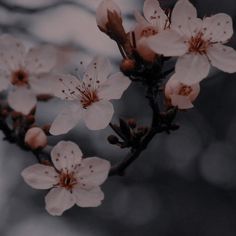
158,35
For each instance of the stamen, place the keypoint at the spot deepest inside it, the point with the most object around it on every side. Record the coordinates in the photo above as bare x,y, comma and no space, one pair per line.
20,78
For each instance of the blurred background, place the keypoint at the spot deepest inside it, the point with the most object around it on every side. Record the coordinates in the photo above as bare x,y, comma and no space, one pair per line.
183,185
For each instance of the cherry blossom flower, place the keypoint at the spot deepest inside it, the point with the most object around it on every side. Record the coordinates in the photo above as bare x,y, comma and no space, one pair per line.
198,43
154,21
102,13
89,98
24,72
179,94
72,181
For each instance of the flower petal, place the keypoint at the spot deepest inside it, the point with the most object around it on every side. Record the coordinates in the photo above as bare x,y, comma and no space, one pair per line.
66,120
12,53
222,57
22,100
139,18
114,87
92,172
192,68
154,14
168,43
66,86
97,71
218,28
66,155
58,200
40,176
40,59
4,80
182,14
42,84
98,115
88,198
182,102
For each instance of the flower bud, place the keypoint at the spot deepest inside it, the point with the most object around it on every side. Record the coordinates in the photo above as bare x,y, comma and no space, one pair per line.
102,13
127,66
35,138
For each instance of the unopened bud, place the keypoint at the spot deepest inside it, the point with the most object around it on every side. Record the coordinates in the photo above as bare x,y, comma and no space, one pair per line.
102,13
127,66
35,138
112,139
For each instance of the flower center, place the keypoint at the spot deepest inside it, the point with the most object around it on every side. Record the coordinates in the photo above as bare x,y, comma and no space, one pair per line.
185,90
20,78
198,45
148,31
88,97
67,180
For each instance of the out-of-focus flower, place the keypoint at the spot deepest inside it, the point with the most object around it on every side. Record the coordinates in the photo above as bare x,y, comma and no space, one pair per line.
102,12
196,42
24,72
35,138
154,21
73,180
89,97
181,95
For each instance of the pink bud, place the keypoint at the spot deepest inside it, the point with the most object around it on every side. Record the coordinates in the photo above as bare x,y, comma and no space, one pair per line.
35,138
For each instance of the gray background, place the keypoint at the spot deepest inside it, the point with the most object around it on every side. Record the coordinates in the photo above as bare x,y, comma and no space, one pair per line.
183,185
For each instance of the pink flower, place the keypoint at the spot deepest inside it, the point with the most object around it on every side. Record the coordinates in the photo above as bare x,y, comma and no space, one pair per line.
73,180
24,72
179,94
89,98
154,21
198,43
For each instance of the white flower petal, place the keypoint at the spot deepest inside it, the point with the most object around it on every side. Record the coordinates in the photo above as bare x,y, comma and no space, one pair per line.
42,84
65,86
97,71
40,176
144,51
154,14
139,18
192,68
66,120
218,28
101,12
66,155
4,80
58,200
92,172
12,53
98,115
222,57
114,87
22,100
182,102
40,59
168,43
88,198
182,13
